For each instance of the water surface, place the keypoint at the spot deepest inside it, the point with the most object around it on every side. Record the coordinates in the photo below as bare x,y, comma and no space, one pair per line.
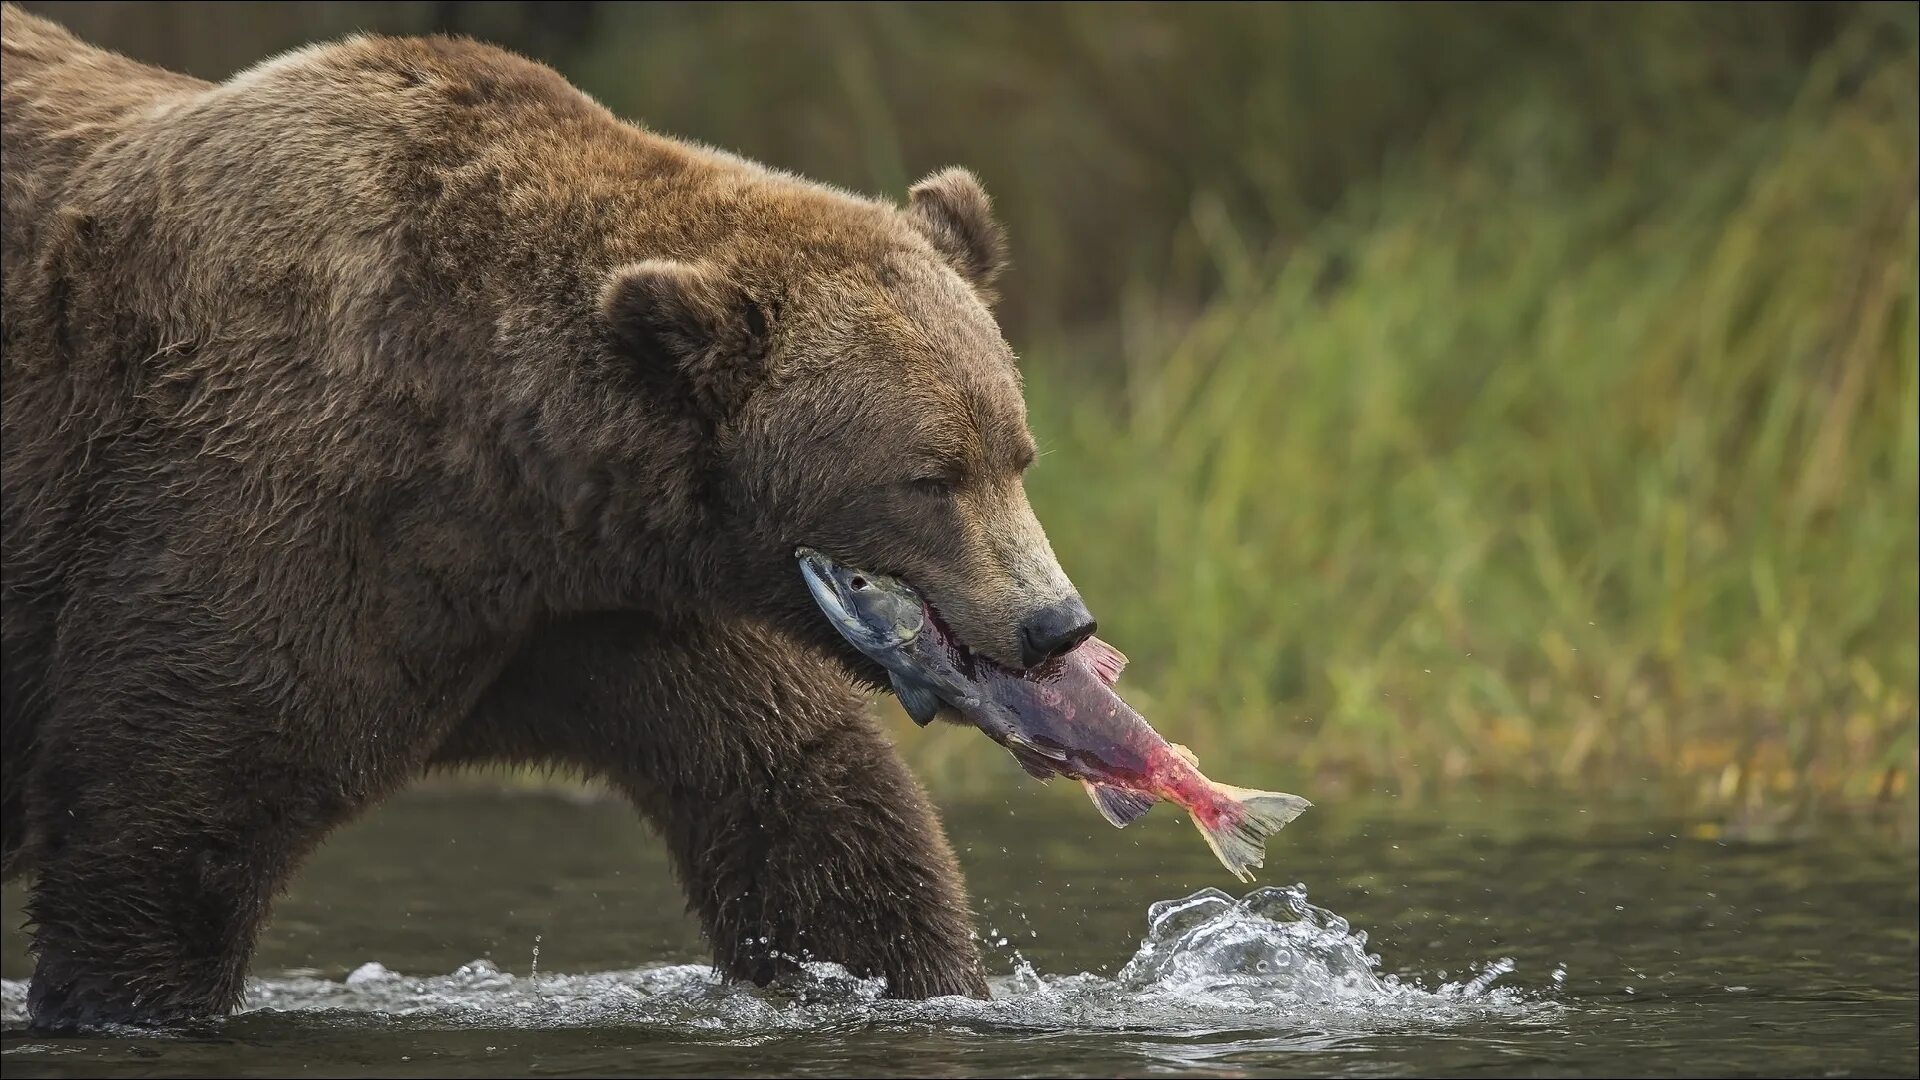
478,934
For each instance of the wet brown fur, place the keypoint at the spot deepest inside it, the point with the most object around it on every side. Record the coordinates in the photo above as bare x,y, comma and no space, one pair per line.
392,405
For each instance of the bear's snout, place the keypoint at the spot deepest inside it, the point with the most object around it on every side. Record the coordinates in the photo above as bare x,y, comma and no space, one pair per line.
1057,628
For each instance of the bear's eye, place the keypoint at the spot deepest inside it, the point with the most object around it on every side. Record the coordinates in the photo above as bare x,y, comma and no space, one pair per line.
933,485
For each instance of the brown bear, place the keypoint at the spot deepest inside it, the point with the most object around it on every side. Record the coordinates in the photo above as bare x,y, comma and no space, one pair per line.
393,405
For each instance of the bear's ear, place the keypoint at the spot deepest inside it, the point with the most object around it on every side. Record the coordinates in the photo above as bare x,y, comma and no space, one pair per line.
951,210
691,317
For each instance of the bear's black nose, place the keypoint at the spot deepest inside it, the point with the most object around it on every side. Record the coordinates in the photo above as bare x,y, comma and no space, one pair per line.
1054,629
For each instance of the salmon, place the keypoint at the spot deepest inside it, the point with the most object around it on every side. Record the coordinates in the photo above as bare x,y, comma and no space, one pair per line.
1063,718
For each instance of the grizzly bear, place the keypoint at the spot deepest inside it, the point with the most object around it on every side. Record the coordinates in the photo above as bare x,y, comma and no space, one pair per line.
392,405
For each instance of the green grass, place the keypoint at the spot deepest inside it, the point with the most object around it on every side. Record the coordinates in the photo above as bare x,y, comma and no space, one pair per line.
1499,473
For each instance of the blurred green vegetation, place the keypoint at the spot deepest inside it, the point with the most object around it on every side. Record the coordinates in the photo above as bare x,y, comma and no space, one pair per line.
1535,463
1429,393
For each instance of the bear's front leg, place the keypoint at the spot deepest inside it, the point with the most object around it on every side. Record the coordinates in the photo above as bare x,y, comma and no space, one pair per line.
796,830
833,854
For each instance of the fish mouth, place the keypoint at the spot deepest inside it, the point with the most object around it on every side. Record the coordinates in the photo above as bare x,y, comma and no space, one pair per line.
820,572
817,571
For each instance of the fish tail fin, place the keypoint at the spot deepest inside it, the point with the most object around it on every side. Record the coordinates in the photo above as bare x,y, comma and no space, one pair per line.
1239,840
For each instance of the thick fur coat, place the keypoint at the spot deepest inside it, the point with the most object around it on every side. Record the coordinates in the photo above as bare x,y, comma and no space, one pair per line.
390,405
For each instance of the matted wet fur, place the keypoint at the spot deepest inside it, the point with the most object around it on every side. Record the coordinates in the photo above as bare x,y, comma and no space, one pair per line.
391,404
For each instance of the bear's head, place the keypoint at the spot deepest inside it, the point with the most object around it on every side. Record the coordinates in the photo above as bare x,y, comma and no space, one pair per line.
855,395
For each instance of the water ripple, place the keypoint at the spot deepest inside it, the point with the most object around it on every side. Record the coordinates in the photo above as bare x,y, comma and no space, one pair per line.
1210,966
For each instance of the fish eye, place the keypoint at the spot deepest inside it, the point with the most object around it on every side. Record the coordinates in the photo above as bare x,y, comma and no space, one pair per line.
857,584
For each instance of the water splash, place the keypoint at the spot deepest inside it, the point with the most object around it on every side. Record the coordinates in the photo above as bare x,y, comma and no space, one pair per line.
1268,963
1271,941
1273,947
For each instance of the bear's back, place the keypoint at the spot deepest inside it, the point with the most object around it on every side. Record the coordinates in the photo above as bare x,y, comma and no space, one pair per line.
314,179
60,100
344,261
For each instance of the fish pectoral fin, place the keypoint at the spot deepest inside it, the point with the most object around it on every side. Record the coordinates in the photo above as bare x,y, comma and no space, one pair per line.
1034,747
920,702
1117,804
1186,755
1038,767
1039,761
1107,661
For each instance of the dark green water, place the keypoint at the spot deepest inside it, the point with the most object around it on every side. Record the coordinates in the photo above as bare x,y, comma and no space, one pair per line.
1636,946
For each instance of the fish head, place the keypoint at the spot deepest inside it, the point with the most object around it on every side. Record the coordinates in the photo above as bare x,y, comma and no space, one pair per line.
879,615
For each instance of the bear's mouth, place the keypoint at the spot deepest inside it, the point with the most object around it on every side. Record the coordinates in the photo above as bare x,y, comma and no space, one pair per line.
974,665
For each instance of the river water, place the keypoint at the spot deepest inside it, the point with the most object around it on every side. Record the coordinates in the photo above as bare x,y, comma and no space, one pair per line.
465,934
